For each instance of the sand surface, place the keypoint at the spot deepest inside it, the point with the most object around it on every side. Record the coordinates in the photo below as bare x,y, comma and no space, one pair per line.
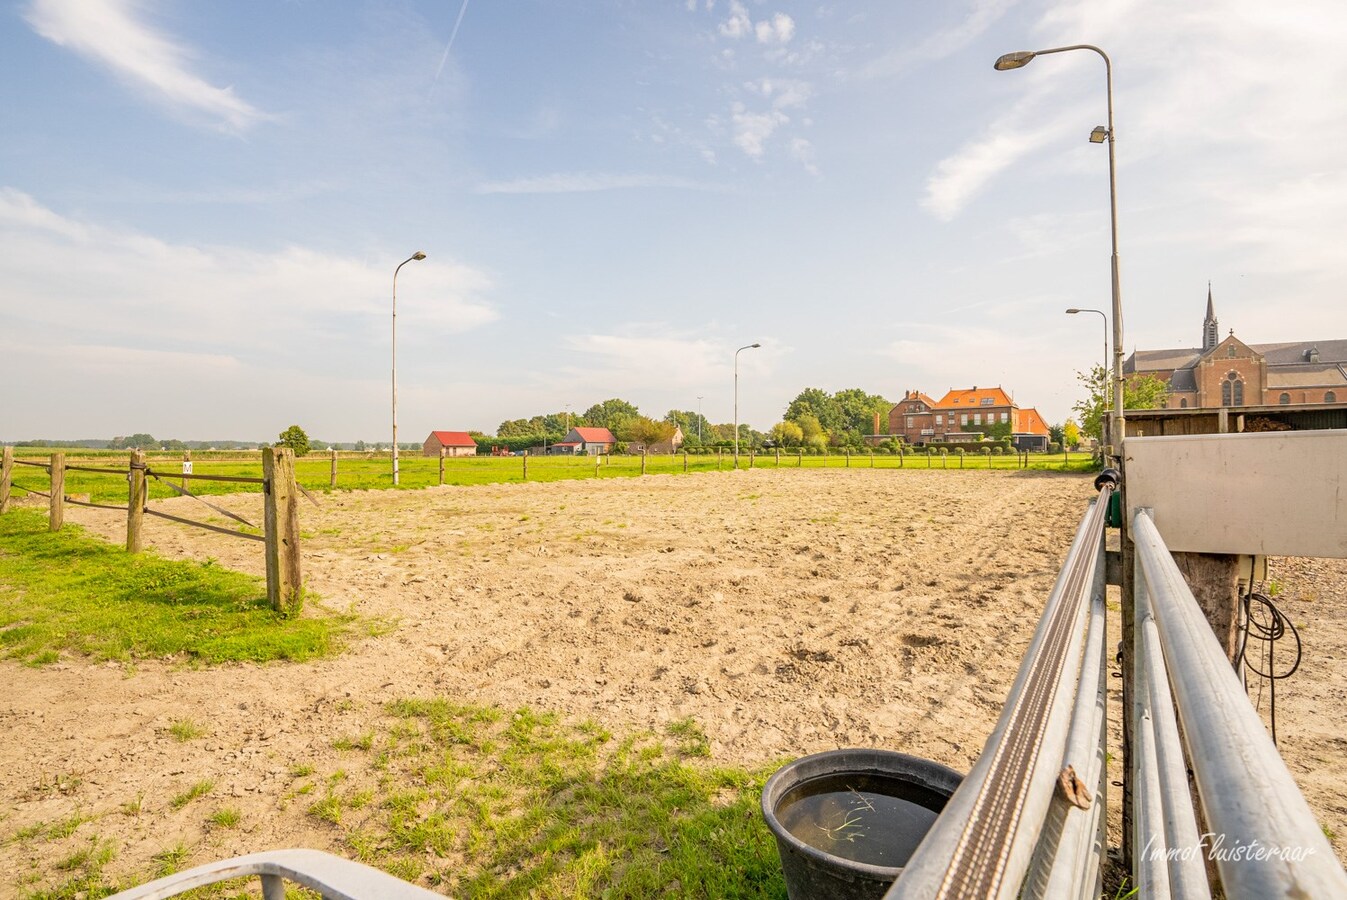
786,611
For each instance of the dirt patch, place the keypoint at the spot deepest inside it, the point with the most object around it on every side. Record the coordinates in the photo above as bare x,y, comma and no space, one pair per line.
785,612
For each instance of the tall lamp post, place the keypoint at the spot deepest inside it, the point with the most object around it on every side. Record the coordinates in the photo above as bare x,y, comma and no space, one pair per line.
699,419
1107,387
1098,135
736,398
418,255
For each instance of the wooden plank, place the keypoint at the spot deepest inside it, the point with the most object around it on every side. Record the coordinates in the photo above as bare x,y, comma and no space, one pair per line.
57,496
281,531
135,503
6,478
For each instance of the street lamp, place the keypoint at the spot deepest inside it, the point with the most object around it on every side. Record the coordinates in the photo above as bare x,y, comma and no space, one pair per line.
699,418
736,398
1098,135
418,255
1107,391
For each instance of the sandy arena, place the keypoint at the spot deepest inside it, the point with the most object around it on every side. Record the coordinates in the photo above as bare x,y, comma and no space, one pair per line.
786,611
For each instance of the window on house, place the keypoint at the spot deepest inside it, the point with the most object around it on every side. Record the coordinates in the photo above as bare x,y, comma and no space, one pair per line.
1005,417
963,418
987,401
977,418
1284,399
1232,390
1183,403
1230,351
940,420
1330,397
1239,393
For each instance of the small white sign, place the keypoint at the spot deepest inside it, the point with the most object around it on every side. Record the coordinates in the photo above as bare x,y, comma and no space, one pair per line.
187,467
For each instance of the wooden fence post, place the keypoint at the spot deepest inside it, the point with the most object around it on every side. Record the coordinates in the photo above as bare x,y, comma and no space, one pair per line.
872,458
135,502
332,479
799,464
281,525
750,457
642,460
526,465
57,505
441,467
685,462
598,458
848,457
6,478
719,452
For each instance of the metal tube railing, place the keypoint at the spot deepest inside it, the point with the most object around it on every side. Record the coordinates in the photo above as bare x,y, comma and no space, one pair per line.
1185,862
983,841
1074,861
331,876
1264,839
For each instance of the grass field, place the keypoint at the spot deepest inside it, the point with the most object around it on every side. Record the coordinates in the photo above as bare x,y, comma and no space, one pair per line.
371,472
69,593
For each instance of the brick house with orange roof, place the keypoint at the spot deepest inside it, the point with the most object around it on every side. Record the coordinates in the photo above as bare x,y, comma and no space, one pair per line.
964,415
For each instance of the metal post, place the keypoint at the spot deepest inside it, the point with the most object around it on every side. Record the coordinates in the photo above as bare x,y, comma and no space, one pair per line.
415,256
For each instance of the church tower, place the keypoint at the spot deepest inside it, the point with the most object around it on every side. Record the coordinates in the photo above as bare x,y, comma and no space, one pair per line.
1210,332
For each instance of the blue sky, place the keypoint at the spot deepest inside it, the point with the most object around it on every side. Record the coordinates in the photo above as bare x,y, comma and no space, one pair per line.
202,204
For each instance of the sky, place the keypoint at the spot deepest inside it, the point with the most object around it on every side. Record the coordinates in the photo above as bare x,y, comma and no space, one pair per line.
202,205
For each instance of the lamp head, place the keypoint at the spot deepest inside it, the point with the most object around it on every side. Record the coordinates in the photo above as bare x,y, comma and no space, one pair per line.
755,345
1072,312
1017,60
1098,135
418,255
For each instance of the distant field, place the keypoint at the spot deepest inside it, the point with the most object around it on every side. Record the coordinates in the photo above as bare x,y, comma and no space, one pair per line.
371,472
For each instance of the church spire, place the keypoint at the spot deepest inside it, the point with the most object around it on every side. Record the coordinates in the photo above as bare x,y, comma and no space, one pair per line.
1210,332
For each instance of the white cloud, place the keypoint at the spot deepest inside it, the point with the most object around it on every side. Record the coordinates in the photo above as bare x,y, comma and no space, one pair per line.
121,288
656,356
779,29
803,152
979,16
109,33
958,178
738,24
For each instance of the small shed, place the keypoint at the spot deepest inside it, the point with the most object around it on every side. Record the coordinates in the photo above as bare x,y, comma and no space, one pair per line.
454,443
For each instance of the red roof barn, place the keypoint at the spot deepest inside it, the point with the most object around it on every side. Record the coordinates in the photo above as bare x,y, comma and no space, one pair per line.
454,443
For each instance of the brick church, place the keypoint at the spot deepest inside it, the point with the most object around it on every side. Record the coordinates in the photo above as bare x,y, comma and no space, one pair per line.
1230,373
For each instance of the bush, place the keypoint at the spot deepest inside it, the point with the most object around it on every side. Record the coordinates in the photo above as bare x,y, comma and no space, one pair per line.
1054,447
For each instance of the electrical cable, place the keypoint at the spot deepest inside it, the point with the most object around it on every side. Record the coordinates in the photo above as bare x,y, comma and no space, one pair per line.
1267,626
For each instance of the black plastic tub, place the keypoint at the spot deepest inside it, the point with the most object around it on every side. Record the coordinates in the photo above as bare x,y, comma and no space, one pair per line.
847,821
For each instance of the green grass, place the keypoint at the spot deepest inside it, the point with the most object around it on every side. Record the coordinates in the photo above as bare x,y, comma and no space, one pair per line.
67,592
360,472
491,803
184,730
196,791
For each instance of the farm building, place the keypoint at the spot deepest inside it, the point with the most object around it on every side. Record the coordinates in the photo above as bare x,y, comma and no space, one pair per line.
583,441
454,443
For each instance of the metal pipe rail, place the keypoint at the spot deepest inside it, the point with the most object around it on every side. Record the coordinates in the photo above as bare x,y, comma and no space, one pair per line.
1262,835
983,842
331,876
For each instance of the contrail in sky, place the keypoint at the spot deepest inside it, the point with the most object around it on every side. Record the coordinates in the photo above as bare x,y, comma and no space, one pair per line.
453,34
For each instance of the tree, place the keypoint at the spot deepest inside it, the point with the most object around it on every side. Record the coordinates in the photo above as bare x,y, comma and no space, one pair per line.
1070,434
788,434
138,441
294,438
811,432
610,414
645,430
818,403
1139,392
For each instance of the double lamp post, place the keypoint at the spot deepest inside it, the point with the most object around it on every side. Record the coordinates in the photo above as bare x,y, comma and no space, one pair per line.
1100,134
